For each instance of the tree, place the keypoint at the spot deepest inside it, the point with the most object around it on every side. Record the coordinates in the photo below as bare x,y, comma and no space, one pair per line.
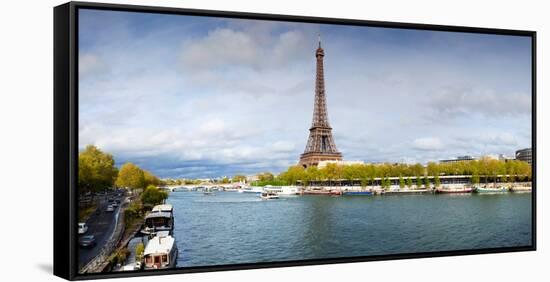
475,179
266,176
409,182
418,181
426,182
96,170
153,196
401,182
130,176
151,179
239,178
293,174
437,181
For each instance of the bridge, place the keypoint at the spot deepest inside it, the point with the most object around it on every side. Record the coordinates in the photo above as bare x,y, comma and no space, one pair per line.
202,186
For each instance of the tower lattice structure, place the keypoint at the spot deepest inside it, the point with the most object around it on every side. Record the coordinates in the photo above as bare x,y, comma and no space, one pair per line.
320,144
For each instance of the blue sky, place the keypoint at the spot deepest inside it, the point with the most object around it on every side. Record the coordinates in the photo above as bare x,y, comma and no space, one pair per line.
187,96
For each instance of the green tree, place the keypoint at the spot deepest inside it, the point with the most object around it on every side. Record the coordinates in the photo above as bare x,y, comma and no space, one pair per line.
140,248
426,182
96,170
130,176
401,182
437,181
475,179
293,174
418,181
153,196
409,182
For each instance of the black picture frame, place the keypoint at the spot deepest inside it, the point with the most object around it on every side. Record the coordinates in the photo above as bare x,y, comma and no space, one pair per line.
66,136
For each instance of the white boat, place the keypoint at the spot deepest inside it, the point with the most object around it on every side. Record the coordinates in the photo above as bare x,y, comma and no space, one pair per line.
253,189
269,196
161,218
231,189
161,252
283,191
163,208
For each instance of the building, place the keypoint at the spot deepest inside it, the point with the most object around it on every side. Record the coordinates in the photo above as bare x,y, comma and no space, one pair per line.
320,145
322,164
525,155
458,159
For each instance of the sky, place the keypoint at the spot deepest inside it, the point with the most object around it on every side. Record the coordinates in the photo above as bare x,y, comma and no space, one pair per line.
204,97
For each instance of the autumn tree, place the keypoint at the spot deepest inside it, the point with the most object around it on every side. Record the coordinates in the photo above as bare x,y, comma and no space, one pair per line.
130,176
96,170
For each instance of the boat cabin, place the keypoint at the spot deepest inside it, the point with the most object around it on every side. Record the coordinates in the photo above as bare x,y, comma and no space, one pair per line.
161,252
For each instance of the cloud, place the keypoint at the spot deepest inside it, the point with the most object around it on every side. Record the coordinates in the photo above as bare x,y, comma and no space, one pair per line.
455,101
427,144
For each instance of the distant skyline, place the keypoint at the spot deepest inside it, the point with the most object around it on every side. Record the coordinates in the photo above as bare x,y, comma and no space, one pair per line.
186,96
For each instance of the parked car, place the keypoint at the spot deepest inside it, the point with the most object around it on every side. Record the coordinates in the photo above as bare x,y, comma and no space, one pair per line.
110,208
82,228
87,241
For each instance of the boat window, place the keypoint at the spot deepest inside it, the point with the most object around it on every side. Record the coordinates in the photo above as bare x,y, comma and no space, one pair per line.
148,259
164,259
157,259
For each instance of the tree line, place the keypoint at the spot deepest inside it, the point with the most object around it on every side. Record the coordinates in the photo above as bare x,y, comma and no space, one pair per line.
97,172
482,170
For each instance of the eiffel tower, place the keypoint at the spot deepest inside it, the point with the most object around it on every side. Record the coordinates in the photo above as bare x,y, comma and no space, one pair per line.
320,144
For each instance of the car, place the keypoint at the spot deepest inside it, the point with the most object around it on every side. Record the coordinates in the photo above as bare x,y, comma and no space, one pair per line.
110,208
87,241
82,228
114,204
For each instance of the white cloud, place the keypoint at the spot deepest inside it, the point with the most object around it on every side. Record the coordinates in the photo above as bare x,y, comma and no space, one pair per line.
427,144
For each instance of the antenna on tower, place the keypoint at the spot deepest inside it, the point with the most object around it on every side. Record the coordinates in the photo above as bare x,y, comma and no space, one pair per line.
319,37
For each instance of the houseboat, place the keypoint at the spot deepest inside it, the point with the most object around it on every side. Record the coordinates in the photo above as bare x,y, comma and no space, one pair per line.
499,189
282,191
161,252
521,189
252,189
454,190
161,218
319,191
357,193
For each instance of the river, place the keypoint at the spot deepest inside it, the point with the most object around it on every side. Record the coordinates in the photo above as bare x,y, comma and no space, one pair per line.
231,228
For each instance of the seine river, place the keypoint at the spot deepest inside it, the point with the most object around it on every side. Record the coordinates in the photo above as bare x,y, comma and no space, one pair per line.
230,227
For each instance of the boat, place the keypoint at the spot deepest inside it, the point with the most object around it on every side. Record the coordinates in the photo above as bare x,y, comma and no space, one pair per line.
520,189
207,192
283,191
358,193
161,218
253,190
322,192
231,189
163,208
161,252
407,191
499,189
269,196
454,190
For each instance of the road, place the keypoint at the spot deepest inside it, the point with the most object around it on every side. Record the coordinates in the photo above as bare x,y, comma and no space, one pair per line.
102,226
